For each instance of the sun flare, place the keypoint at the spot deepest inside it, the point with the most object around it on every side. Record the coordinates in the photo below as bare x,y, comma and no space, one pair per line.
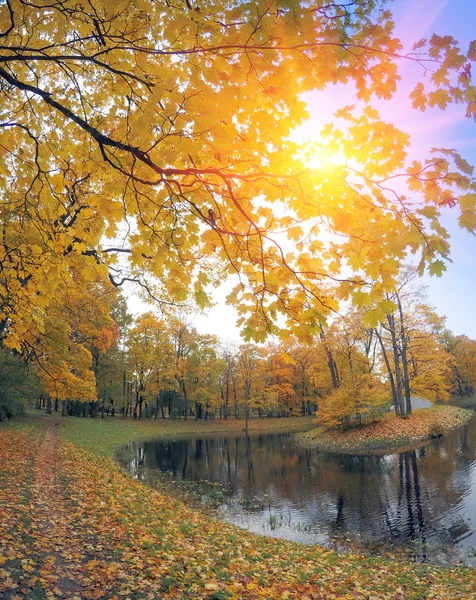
324,158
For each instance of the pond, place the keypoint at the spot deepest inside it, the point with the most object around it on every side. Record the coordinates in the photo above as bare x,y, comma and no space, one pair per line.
424,499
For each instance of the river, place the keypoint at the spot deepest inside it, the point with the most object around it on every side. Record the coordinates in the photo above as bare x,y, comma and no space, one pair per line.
423,500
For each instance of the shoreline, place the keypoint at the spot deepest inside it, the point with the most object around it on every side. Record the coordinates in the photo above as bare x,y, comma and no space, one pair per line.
148,543
390,435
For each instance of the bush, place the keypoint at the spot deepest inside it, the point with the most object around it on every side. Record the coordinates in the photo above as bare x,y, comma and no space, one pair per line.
354,404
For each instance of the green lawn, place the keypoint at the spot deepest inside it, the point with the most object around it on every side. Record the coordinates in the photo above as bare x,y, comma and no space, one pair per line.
104,436
465,402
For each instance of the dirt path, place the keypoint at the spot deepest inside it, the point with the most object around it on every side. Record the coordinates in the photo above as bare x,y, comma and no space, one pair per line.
54,544
60,552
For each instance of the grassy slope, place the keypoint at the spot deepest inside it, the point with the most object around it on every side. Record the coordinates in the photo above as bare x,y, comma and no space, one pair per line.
138,543
390,434
465,401
104,436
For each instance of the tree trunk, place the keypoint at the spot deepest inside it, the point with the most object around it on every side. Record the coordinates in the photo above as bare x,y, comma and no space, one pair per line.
396,360
406,378
235,398
390,374
227,397
183,387
247,405
124,392
330,359
48,406
64,411
170,404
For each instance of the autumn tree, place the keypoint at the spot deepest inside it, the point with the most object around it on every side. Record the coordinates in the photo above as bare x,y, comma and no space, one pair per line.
151,360
110,368
204,371
357,401
250,367
183,338
281,379
76,327
176,119
227,379
305,357
414,359
463,350
430,367
361,395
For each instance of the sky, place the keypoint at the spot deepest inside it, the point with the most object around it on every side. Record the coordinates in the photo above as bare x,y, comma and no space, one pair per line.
454,293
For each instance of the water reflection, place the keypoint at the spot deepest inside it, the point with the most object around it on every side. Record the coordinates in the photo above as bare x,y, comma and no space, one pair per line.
425,498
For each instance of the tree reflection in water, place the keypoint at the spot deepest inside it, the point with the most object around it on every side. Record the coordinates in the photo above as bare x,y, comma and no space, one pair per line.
425,497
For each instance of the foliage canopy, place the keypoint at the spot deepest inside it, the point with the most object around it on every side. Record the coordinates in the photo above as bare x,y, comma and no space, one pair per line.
143,140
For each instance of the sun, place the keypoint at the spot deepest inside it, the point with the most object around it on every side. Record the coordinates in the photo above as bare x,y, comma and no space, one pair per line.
324,158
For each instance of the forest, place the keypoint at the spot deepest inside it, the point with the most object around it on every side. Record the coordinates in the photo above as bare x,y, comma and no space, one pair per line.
161,367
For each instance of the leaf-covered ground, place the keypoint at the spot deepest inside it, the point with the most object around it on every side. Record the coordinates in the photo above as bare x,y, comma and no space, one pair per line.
73,525
389,434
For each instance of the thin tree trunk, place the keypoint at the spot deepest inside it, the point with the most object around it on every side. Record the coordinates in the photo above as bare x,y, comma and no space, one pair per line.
235,398
406,378
185,396
330,359
396,360
247,405
227,397
170,403
390,374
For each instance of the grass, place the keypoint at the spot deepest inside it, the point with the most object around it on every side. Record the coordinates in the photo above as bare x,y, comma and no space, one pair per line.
390,434
465,402
115,538
105,436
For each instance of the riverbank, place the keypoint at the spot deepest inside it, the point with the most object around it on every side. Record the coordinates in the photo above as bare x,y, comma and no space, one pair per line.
465,402
74,525
390,435
106,435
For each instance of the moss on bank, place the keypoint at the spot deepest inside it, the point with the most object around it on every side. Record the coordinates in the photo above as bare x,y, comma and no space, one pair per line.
389,435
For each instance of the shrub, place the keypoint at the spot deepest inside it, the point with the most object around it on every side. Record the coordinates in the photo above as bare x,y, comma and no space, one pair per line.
354,404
